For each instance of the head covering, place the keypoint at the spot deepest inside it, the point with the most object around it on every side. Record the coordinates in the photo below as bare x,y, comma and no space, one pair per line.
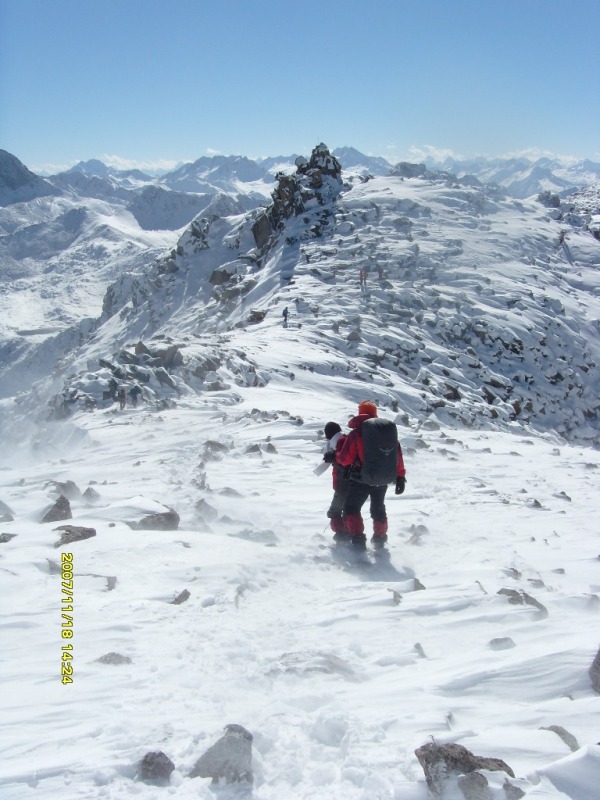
366,407
331,429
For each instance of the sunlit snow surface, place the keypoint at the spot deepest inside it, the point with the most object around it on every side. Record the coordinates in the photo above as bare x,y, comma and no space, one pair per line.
316,658
339,670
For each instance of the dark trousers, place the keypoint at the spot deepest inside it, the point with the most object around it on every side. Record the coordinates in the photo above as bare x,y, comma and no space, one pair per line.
336,508
358,493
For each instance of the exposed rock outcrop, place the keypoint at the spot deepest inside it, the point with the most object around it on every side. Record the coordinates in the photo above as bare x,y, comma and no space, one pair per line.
73,533
59,511
439,761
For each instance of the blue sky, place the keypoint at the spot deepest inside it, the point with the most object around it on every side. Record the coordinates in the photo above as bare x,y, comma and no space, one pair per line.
151,82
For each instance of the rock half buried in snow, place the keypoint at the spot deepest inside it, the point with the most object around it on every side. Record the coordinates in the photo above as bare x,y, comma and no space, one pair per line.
156,768
474,786
230,758
73,533
114,658
439,761
594,672
163,521
59,511
519,598
307,661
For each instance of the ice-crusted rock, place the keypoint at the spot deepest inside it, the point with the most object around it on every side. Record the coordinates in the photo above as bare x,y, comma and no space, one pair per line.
229,758
439,761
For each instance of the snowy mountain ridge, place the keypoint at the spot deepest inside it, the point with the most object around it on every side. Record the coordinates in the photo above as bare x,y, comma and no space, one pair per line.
479,309
205,591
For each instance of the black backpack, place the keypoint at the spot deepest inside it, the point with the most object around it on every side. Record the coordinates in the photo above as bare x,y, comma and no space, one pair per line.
380,443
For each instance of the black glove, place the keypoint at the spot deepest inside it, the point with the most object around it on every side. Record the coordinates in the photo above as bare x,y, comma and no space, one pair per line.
400,485
329,456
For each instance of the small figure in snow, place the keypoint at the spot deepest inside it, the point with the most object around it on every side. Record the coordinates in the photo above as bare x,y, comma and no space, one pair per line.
134,393
362,279
335,442
113,388
285,314
371,469
122,398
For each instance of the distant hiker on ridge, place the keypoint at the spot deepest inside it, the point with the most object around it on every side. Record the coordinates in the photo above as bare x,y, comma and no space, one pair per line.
134,393
335,442
285,314
374,459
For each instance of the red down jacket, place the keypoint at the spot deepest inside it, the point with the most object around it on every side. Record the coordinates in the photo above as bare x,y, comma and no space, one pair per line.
352,449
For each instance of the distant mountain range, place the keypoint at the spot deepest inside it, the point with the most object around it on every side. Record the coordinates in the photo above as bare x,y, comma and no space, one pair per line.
250,182
498,293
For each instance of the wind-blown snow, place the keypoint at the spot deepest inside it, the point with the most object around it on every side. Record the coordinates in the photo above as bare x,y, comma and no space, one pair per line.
339,670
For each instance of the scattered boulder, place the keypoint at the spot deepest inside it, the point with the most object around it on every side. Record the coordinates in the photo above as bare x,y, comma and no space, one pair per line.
73,533
163,521
156,768
502,643
6,537
114,658
511,791
181,598
439,761
91,495
69,489
594,672
474,786
229,758
59,511
520,598
205,511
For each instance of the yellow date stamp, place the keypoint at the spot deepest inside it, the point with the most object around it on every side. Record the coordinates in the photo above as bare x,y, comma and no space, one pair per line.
66,667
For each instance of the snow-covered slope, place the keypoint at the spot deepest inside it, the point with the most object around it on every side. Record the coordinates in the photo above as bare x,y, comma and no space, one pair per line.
478,310
477,332
18,184
58,257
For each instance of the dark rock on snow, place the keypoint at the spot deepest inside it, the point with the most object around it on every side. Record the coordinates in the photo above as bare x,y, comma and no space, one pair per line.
73,533
439,761
567,737
156,768
181,598
594,672
519,598
230,758
474,786
114,658
164,521
59,511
